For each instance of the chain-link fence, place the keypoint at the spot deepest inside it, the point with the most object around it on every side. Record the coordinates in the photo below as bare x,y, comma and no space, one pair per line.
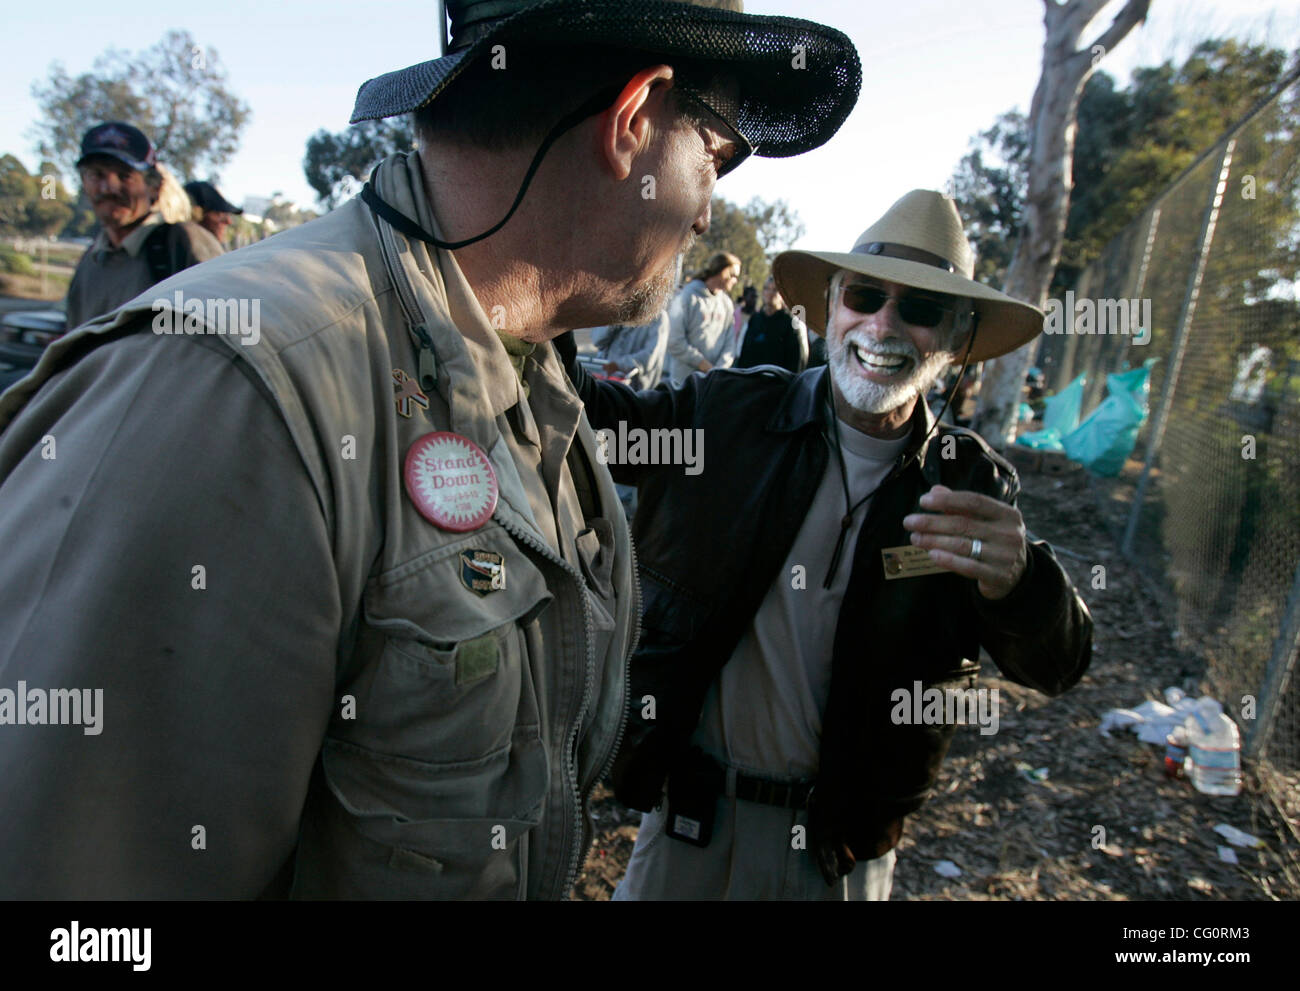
1210,498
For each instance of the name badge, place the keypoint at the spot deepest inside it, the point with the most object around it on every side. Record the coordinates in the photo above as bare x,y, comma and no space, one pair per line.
908,562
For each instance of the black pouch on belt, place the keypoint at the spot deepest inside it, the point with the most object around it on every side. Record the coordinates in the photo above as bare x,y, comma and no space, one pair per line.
693,789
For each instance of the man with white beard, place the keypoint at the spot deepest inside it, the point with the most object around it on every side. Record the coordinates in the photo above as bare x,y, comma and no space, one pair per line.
777,688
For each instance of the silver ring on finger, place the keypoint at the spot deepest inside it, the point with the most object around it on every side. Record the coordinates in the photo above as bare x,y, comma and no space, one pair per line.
976,547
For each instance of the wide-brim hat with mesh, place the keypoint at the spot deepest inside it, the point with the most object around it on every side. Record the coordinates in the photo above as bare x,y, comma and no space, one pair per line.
798,80
919,243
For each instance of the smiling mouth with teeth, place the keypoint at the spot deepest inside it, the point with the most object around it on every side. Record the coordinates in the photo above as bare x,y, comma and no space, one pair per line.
885,364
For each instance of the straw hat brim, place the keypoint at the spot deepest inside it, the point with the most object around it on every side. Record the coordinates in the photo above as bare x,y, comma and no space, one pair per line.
802,278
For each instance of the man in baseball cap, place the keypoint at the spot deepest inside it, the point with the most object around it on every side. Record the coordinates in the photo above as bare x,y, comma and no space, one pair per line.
834,556
211,209
359,594
135,246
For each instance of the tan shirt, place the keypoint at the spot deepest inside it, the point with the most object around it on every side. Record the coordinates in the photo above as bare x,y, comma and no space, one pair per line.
764,712
108,276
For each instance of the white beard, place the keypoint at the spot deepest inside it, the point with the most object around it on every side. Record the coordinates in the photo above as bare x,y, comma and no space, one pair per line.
873,397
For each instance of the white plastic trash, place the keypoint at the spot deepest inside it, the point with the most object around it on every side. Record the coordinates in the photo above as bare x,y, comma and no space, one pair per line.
1213,750
947,868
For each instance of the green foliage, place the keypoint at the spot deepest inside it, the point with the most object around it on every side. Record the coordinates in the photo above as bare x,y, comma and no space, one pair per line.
991,193
755,233
776,225
32,205
282,214
1130,144
15,262
337,164
176,92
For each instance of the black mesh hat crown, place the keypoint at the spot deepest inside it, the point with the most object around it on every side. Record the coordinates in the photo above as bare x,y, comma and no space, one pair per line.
798,80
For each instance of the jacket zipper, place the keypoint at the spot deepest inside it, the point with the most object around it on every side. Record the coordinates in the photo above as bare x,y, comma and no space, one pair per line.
426,370
627,661
570,759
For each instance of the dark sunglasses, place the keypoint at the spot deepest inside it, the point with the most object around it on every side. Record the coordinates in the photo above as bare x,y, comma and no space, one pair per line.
919,311
728,130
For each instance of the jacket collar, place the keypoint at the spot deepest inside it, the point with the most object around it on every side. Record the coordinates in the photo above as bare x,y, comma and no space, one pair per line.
804,405
400,182
133,242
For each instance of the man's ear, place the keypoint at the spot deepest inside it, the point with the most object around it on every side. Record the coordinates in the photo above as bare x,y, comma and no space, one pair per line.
623,130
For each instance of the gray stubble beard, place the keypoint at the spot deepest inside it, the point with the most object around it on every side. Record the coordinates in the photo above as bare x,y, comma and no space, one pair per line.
650,298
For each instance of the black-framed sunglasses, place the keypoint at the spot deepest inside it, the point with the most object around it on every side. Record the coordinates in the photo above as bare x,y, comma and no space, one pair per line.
743,148
919,311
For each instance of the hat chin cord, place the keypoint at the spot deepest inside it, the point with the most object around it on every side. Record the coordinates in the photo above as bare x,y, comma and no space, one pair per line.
410,228
957,382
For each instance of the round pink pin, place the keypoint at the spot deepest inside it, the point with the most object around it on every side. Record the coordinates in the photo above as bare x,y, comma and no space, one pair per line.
451,481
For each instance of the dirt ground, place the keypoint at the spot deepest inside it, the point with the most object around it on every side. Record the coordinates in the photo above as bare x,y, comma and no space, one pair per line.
1016,837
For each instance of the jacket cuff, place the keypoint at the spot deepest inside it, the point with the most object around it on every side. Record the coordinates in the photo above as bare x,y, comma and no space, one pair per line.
1033,605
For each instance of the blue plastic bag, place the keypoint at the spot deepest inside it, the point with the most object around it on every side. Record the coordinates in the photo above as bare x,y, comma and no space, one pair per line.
1104,441
1062,413
1059,418
1046,439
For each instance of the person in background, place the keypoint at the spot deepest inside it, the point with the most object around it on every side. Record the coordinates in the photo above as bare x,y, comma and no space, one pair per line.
771,337
745,307
701,331
636,354
137,245
211,209
816,348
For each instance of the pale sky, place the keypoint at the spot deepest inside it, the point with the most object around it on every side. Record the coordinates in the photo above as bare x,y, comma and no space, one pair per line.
934,73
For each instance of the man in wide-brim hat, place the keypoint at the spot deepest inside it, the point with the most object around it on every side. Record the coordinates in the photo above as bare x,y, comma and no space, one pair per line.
354,583
832,562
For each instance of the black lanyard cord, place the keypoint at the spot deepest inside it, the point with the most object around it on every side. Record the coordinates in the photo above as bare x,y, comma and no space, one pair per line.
410,228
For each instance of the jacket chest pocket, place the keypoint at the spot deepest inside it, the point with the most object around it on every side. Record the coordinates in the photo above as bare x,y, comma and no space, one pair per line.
448,680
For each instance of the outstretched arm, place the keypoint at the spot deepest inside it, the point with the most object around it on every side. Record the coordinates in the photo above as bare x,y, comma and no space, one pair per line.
615,407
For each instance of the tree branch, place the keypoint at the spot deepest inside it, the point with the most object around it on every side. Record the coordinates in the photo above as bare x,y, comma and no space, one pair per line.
1080,13
1133,14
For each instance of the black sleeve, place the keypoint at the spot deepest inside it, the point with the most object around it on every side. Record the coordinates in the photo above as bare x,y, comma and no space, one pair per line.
1041,634
616,407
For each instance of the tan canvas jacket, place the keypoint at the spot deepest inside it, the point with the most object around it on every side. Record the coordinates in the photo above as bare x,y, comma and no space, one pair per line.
330,709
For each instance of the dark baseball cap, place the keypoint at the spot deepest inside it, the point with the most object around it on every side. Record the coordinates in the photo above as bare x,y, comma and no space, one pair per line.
121,141
205,196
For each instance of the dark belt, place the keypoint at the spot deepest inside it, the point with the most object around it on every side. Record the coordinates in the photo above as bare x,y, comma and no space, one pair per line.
787,796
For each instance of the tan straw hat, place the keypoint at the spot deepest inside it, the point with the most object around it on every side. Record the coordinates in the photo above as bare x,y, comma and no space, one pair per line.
919,242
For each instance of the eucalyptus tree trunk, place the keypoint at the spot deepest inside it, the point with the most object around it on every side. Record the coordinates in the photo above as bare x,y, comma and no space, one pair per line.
1052,123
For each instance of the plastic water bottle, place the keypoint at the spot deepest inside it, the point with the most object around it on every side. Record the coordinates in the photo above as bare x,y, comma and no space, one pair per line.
1213,750
1175,752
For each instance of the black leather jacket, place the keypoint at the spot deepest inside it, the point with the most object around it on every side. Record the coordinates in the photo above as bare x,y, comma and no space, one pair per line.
711,544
